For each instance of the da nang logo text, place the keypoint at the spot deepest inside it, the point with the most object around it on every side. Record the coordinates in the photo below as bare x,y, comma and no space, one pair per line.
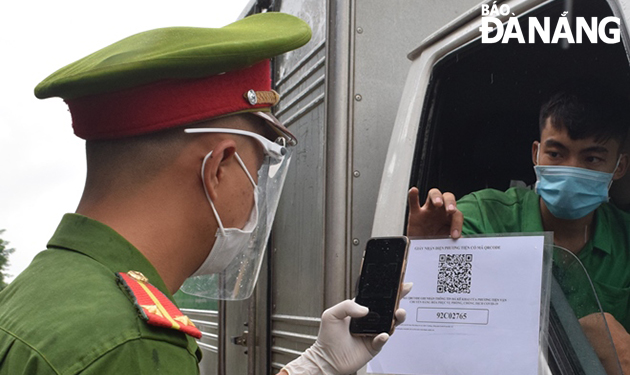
591,29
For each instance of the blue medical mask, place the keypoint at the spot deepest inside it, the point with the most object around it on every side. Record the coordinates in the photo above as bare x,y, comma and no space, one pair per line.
571,192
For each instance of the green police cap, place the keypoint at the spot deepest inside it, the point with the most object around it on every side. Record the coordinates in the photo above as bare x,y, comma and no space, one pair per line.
146,74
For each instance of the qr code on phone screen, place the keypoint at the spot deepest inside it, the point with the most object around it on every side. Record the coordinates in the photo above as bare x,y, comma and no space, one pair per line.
454,273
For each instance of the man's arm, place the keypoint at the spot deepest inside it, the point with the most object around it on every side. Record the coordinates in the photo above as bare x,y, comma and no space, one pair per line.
438,216
597,333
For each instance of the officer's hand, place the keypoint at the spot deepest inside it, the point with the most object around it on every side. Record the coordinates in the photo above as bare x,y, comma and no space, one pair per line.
438,216
336,351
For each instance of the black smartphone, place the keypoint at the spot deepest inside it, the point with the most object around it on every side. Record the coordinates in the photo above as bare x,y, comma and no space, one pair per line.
380,284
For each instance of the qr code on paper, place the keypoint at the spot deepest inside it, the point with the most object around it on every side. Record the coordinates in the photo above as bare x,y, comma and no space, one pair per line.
454,273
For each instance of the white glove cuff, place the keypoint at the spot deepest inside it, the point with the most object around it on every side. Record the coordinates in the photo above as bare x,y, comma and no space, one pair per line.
311,362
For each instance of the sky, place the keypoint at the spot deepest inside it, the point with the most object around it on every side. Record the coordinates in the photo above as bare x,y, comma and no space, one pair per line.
42,163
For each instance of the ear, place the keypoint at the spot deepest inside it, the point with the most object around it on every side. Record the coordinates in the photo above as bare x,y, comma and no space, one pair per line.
214,171
622,168
535,148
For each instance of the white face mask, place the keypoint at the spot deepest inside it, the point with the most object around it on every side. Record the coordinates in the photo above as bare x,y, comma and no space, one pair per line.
229,242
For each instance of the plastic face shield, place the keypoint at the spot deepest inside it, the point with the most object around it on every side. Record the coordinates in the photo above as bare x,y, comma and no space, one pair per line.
238,279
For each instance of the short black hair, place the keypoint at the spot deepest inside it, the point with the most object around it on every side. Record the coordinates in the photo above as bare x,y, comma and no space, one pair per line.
588,111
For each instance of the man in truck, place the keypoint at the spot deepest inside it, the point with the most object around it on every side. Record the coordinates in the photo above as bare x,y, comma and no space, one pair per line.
185,164
578,156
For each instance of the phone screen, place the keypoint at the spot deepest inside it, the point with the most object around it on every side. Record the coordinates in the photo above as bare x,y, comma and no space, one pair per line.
382,272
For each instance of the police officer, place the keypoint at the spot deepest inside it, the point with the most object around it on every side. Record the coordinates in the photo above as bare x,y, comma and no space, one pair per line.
185,167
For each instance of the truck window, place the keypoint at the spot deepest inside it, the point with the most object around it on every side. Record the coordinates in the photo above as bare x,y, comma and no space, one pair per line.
480,117
481,112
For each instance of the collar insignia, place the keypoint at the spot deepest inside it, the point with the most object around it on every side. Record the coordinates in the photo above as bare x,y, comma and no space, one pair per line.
153,306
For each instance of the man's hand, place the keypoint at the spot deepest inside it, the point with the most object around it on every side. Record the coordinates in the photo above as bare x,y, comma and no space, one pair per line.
438,216
336,351
596,332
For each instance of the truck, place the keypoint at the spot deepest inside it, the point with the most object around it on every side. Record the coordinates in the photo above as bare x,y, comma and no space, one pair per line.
386,96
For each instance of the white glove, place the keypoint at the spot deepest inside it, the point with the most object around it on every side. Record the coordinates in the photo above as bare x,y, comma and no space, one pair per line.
336,351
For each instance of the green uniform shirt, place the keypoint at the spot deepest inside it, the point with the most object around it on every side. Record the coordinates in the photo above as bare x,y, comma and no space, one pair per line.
66,314
606,256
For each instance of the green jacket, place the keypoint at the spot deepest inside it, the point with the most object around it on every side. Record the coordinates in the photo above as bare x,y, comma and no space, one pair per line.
66,313
606,256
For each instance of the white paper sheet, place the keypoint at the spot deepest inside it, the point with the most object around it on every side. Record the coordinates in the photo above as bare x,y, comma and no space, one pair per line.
490,327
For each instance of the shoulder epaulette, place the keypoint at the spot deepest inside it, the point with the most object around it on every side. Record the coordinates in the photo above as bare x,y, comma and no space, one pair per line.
154,306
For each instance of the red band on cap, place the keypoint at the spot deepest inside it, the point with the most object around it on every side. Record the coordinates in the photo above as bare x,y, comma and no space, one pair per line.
166,104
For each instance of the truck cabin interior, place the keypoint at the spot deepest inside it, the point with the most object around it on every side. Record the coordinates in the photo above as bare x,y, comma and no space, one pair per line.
481,109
